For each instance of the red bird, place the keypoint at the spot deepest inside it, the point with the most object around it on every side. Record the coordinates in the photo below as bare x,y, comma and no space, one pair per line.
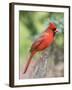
43,42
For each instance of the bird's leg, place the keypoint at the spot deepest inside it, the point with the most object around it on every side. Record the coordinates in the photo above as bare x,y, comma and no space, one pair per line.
41,58
55,43
44,54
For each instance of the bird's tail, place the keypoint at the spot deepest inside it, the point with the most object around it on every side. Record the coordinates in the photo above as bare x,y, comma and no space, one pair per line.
28,62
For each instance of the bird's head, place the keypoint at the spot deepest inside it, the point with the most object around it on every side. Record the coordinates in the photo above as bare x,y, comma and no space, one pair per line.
53,27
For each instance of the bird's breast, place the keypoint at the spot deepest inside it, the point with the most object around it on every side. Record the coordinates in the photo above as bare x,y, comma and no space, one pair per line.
48,40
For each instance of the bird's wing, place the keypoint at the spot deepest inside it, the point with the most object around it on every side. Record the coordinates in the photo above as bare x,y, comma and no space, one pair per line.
38,42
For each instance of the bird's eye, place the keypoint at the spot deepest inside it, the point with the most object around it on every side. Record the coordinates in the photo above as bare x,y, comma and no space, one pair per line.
54,29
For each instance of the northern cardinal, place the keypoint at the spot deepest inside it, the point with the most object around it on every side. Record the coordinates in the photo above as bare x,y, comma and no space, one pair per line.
43,42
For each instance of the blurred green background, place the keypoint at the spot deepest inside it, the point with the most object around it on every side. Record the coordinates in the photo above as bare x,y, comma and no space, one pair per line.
32,23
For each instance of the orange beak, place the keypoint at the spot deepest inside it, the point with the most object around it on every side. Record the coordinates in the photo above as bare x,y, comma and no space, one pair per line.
57,30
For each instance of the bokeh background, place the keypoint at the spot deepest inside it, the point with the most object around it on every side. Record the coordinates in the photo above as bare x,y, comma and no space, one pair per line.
50,62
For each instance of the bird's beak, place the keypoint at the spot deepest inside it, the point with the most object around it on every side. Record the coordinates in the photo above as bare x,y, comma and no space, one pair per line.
57,30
